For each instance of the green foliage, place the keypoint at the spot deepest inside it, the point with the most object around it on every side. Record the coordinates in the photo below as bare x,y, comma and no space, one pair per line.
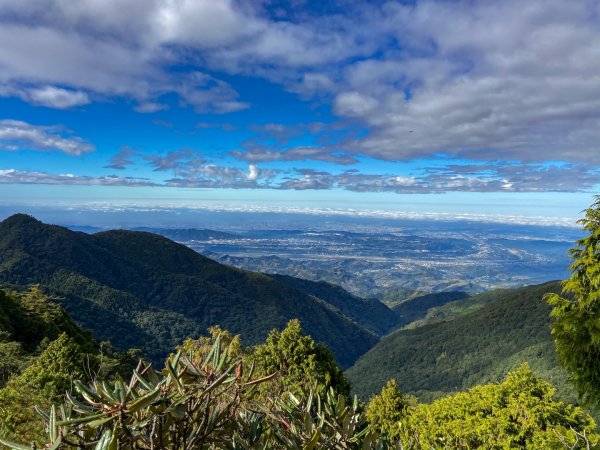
520,412
32,316
214,403
197,405
576,329
12,358
209,396
188,405
385,411
43,382
55,369
198,349
320,422
28,322
479,347
41,352
457,308
300,364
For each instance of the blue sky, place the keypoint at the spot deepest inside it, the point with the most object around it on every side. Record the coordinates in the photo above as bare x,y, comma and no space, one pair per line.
331,104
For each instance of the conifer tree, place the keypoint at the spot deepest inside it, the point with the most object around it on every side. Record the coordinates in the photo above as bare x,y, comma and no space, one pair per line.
300,363
386,410
576,329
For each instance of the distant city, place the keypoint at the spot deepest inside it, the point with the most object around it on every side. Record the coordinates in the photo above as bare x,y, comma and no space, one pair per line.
390,258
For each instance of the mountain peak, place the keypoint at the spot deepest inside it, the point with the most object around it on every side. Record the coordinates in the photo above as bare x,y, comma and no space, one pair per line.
20,219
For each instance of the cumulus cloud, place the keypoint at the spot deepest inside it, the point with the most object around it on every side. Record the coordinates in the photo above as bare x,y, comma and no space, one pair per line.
468,178
122,159
253,172
18,135
177,160
214,176
57,97
49,96
9,176
97,47
190,169
295,154
485,81
55,42
463,178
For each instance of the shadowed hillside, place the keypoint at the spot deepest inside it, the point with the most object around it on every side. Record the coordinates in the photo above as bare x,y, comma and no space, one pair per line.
370,313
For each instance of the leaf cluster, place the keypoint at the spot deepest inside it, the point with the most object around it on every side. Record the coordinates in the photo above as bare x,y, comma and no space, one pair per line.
192,403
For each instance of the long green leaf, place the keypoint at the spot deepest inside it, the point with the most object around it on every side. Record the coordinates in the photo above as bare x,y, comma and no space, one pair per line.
81,420
104,441
143,402
14,445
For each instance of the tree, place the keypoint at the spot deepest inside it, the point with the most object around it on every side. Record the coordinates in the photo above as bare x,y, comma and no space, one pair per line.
197,349
520,412
576,329
41,384
386,410
12,358
301,364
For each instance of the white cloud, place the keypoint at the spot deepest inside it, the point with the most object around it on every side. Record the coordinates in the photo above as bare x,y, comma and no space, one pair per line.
10,176
463,178
57,97
295,154
484,80
116,48
191,171
50,96
253,172
150,107
355,104
506,79
18,135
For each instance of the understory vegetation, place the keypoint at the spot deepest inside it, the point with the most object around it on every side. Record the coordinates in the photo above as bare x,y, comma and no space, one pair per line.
68,392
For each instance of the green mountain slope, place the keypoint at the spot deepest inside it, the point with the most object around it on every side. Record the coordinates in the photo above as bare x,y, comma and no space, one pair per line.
456,308
478,347
142,290
368,312
416,308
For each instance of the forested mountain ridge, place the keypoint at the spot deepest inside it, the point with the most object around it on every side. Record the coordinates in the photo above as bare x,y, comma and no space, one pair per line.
139,289
416,308
369,312
474,348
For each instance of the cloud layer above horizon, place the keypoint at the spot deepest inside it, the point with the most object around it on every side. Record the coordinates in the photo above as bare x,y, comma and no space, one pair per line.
407,97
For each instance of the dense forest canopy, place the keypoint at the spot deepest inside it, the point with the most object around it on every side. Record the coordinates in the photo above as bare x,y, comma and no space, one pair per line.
285,393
